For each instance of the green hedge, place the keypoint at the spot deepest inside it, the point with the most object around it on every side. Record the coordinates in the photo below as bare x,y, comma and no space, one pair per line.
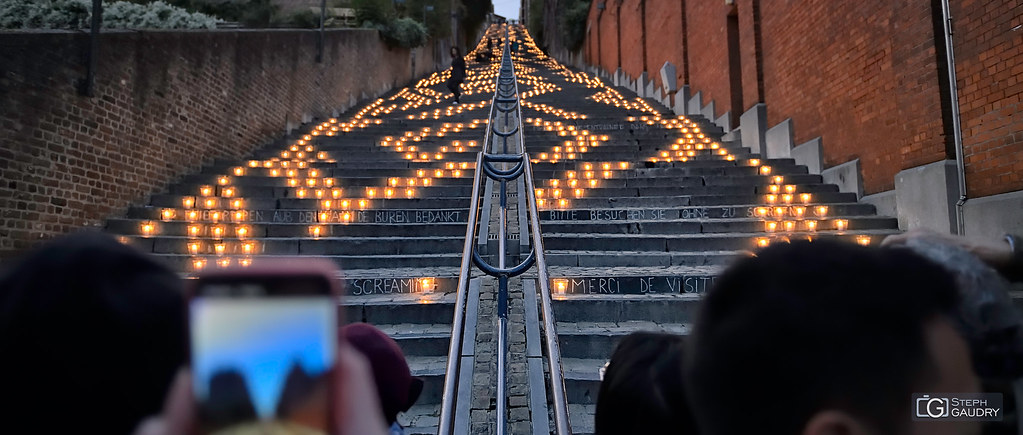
76,14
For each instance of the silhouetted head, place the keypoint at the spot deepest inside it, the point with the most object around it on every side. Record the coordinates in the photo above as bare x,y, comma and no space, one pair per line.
825,337
455,52
642,390
92,333
397,388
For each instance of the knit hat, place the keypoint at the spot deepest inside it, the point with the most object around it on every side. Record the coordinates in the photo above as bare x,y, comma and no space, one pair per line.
397,388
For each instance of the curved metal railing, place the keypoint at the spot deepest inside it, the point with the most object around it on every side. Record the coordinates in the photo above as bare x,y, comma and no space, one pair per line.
506,102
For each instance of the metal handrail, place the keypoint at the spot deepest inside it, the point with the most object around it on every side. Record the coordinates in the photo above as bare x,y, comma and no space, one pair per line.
458,322
562,422
506,92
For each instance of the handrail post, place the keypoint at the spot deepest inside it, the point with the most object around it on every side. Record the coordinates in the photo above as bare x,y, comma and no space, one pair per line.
506,92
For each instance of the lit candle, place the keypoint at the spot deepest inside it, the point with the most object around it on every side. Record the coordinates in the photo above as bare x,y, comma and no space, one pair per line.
863,240
561,286
427,285
148,228
841,224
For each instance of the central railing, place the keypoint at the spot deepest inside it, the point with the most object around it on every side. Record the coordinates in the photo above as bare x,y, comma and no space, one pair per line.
461,351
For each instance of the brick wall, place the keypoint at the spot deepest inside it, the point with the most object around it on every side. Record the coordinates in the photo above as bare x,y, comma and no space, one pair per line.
632,38
867,76
989,69
165,103
751,52
872,93
708,52
663,21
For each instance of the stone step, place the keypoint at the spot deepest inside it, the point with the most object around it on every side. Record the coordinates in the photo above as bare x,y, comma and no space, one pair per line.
620,259
640,214
175,201
324,245
186,262
374,223
707,226
697,242
250,193
705,199
274,216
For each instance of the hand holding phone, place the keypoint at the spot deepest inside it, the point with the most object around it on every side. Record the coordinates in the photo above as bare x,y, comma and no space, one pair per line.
263,349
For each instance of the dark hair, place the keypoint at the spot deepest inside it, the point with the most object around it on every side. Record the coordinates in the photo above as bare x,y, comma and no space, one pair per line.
807,327
92,333
397,388
642,390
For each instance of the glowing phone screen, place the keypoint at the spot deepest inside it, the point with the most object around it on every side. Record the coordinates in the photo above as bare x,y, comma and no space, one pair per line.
261,364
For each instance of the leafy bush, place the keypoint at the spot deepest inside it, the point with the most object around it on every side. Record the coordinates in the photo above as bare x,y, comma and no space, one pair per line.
155,15
370,13
304,19
76,14
58,14
403,32
573,23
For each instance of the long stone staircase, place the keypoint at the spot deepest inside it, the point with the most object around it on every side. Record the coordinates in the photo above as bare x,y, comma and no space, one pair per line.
383,191
640,210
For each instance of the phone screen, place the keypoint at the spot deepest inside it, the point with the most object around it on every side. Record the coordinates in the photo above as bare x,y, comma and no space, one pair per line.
262,353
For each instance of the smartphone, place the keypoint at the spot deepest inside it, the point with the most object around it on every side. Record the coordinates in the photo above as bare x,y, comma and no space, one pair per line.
263,346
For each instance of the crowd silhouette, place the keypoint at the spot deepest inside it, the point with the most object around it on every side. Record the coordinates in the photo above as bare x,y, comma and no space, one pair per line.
802,338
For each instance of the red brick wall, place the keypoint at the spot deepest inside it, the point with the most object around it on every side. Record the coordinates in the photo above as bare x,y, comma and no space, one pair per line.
632,38
608,47
664,38
872,92
165,104
750,53
708,52
989,69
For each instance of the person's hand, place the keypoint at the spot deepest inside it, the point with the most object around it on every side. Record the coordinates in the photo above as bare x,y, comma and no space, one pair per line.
357,411
994,253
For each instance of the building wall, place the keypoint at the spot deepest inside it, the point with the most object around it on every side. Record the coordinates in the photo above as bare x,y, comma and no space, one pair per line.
664,24
708,51
866,76
165,104
989,67
632,38
860,74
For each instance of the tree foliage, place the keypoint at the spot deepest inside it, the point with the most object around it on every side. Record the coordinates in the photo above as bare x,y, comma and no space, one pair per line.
573,15
76,14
